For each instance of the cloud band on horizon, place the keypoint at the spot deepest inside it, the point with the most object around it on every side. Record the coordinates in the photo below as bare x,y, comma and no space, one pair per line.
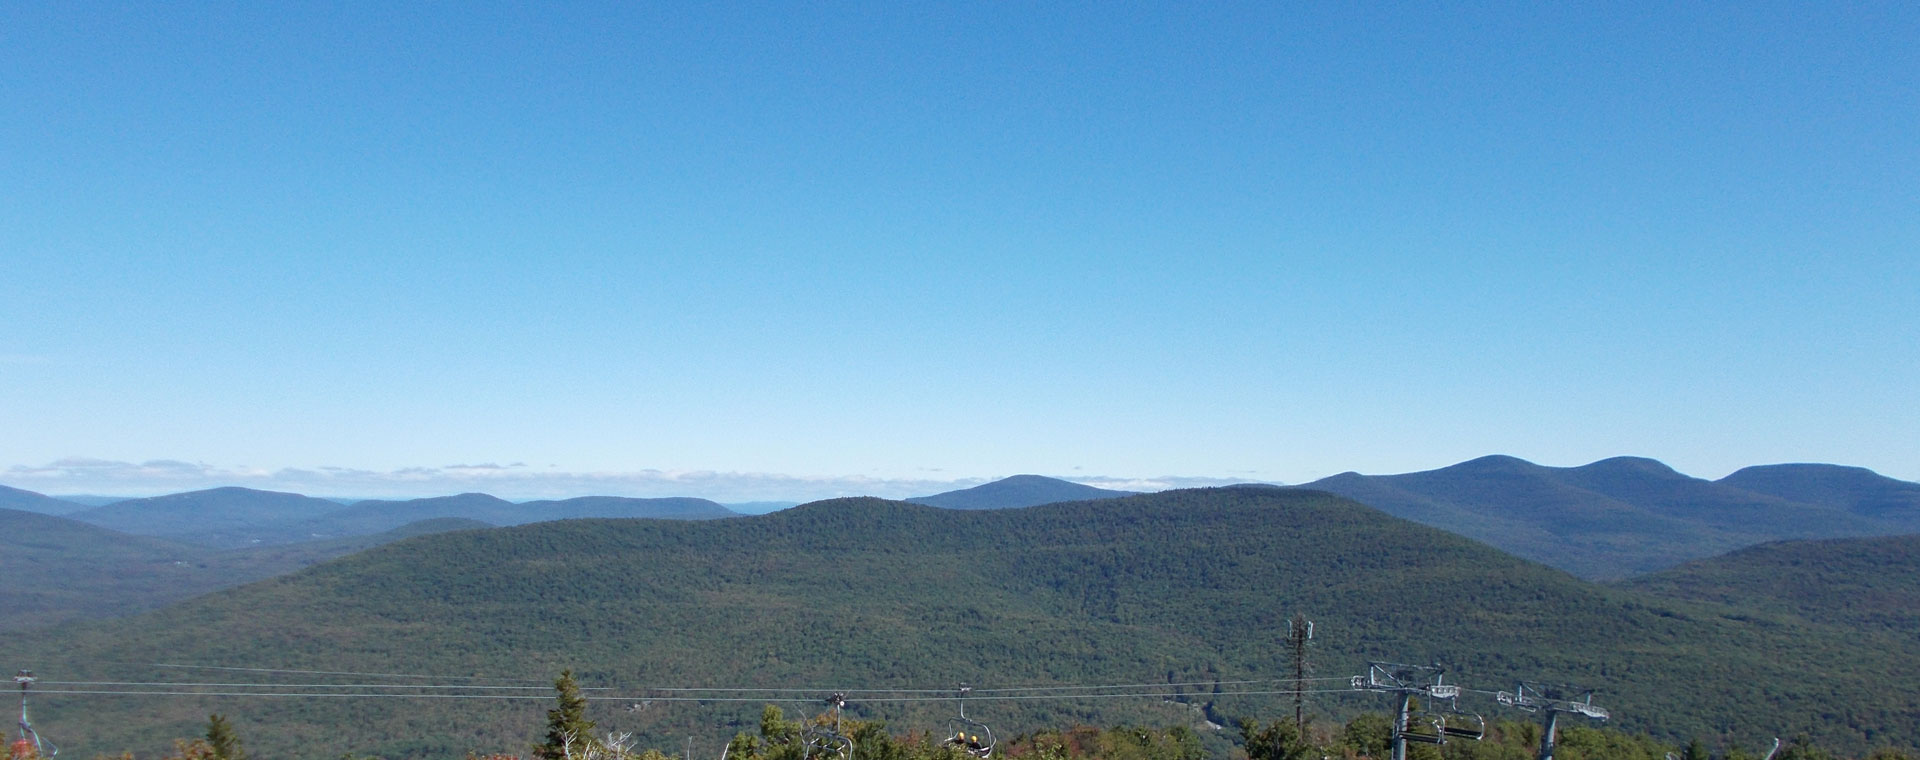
84,475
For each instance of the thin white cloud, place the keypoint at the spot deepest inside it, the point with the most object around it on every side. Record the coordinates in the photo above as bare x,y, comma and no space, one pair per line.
514,481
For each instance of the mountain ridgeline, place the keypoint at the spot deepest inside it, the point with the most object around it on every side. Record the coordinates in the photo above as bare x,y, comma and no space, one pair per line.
231,517
1611,519
1626,516
1017,491
28,501
1180,586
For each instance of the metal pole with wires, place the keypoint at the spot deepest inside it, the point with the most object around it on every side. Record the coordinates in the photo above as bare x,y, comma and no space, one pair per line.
1299,631
25,678
1408,681
1551,700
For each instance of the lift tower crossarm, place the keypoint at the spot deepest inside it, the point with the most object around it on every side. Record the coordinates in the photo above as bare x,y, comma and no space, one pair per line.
1408,681
1551,701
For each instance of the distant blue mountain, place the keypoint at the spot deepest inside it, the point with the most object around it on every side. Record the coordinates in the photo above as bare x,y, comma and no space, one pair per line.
1855,489
1017,491
231,518
208,512
759,507
1629,515
28,501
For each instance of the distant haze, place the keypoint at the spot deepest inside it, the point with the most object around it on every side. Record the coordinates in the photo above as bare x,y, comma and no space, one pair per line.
515,481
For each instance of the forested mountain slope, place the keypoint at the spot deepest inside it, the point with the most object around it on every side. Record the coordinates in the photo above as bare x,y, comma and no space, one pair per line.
1869,583
863,593
58,569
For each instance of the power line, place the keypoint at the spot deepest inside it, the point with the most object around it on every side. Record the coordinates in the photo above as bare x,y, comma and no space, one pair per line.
630,698
310,685
342,673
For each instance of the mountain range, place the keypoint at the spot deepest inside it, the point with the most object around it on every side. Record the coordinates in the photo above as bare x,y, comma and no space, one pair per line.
1612,519
1175,587
233,517
1625,516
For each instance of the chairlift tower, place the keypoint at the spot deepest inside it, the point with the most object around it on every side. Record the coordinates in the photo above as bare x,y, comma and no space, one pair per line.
1551,700
25,678
1426,681
820,741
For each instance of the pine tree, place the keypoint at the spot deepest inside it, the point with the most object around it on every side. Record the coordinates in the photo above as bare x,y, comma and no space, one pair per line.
222,738
567,722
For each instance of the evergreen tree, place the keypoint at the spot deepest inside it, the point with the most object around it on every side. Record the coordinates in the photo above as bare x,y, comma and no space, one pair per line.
222,738
567,721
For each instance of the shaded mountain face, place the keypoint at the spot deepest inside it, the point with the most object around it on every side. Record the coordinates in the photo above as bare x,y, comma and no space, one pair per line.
216,511
1610,519
59,570
28,501
1016,491
862,593
1855,489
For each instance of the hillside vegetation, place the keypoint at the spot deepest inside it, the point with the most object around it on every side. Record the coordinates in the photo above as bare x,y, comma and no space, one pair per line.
1866,583
59,570
862,593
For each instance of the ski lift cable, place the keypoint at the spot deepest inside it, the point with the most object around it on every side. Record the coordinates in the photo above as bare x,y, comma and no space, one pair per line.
702,688
613,698
1151,685
714,689
1065,687
234,684
340,673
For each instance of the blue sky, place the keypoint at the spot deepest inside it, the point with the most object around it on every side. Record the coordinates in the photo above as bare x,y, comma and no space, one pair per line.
875,248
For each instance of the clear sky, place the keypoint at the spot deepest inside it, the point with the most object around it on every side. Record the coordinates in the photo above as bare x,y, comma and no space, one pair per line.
713,249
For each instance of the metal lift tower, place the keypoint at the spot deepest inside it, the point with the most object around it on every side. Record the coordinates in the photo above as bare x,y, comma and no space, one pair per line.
1552,701
1411,681
25,678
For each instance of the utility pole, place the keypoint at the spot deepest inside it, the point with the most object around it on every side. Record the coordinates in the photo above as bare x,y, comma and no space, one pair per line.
1409,681
1551,700
1299,630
